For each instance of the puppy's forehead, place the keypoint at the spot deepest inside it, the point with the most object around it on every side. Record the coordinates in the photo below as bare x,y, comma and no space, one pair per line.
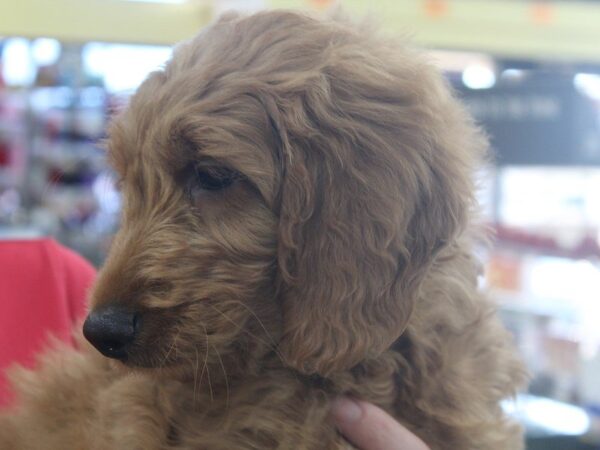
213,96
179,117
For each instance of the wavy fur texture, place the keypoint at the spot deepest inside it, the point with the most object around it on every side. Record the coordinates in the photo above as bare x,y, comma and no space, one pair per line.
339,261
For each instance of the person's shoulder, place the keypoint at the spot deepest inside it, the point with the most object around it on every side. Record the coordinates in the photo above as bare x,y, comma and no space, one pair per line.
76,274
71,261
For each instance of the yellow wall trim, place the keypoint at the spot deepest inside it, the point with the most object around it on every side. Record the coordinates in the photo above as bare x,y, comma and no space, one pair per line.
103,20
565,30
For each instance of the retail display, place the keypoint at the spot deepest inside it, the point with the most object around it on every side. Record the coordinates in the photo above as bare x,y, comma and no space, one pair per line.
541,200
53,176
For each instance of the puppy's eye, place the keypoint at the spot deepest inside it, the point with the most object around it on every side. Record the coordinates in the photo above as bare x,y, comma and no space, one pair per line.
213,178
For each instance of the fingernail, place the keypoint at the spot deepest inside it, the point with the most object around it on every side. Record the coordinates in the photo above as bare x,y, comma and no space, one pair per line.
346,410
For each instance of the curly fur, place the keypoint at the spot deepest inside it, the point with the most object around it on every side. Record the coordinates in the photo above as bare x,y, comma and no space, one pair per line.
340,261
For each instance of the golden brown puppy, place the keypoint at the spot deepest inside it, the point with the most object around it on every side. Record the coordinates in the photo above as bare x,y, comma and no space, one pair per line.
296,225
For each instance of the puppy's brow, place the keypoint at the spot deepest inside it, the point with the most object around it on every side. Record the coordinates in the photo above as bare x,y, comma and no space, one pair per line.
183,151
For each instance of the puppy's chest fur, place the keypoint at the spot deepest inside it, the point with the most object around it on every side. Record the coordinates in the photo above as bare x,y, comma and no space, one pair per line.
277,409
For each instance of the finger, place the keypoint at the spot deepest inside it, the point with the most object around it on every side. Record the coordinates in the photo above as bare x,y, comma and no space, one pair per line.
371,428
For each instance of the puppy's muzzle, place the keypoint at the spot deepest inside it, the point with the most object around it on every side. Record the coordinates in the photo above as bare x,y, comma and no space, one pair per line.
111,330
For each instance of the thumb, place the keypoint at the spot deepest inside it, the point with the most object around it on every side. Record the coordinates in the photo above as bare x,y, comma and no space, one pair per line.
371,428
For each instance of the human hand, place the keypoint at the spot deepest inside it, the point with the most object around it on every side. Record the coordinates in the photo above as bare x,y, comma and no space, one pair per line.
371,428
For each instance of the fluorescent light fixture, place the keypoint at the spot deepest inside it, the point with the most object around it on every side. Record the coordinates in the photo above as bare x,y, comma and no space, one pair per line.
588,84
513,74
18,68
549,415
478,76
45,51
123,67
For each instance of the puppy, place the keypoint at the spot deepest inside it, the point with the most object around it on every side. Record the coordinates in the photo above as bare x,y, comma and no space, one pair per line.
296,225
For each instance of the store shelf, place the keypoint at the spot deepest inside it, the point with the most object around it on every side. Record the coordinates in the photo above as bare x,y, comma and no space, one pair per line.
19,233
527,304
56,181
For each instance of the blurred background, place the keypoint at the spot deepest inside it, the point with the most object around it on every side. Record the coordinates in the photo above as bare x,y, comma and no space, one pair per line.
529,71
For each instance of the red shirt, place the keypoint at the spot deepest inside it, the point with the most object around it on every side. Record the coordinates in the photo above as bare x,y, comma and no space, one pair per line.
43,289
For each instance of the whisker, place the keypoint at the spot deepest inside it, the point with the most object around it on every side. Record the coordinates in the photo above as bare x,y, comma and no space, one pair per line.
173,345
205,365
258,320
225,374
208,369
196,375
271,346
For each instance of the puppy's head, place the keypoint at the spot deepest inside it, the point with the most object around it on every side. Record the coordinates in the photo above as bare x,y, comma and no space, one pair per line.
287,182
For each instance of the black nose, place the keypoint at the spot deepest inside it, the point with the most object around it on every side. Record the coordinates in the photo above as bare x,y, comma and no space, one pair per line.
111,330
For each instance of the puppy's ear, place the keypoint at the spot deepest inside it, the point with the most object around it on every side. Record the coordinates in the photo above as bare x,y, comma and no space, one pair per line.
363,213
